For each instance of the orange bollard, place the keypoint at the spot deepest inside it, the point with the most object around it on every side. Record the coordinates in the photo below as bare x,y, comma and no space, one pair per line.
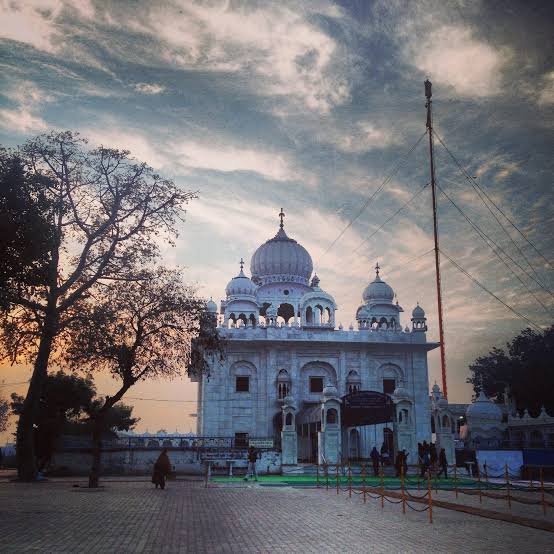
317,479
456,479
402,485
363,481
542,493
430,500
382,489
508,486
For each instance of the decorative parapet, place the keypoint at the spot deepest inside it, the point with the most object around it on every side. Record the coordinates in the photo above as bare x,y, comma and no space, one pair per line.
516,420
324,333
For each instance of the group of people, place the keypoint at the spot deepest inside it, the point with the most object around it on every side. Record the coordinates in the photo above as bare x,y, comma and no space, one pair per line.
429,461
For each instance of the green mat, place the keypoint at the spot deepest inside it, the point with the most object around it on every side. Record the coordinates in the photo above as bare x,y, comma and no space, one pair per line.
390,483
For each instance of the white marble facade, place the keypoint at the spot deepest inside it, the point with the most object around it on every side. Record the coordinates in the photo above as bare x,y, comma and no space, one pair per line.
282,341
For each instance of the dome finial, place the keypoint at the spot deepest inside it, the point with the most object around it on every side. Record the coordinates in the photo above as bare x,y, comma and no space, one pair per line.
241,264
281,216
377,268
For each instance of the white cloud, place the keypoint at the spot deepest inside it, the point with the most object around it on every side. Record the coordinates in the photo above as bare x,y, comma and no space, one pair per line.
31,22
546,93
24,117
288,55
149,88
226,157
362,137
452,55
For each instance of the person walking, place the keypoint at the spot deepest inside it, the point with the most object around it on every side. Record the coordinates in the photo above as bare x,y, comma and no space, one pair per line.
162,468
443,463
252,457
375,458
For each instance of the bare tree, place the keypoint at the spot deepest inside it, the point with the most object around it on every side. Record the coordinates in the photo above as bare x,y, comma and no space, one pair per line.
107,212
136,330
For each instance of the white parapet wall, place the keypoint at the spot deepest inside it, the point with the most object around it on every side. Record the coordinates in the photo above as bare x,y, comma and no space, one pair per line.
141,461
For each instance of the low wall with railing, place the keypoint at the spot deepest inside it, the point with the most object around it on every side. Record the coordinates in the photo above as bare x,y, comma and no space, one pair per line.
136,456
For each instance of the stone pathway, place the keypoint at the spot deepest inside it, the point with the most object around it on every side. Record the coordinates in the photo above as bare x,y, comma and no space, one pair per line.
131,516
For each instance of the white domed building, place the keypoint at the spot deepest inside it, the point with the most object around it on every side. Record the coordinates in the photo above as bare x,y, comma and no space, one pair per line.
285,355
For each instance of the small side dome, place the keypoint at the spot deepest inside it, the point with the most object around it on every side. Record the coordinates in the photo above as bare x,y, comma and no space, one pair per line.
484,409
378,292
211,306
418,312
330,391
241,285
289,400
400,393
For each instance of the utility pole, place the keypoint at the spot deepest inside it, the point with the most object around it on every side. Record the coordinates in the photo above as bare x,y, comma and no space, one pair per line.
428,95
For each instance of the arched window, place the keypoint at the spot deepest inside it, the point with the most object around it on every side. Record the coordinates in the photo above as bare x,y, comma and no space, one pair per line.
327,315
252,320
288,420
283,384
433,430
331,416
445,422
309,315
383,323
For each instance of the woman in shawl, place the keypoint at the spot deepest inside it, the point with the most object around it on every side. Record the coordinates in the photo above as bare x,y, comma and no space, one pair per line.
162,468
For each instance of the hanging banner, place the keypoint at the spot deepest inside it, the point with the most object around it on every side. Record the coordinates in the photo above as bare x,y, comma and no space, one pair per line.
366,407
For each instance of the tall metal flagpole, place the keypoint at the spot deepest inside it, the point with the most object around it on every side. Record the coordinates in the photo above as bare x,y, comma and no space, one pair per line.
428,95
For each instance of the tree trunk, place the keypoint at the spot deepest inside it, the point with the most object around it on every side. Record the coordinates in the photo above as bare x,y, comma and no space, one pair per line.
25,447
94,475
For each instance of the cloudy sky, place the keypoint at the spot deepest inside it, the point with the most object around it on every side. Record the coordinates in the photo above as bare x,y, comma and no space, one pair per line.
310,107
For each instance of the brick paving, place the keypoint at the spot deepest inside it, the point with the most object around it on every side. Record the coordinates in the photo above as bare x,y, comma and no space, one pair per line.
134,517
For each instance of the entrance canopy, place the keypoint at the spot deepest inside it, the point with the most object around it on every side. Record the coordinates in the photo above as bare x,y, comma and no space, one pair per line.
366,407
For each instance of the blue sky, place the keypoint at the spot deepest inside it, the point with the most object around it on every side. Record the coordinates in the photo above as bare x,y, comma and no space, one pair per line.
308,106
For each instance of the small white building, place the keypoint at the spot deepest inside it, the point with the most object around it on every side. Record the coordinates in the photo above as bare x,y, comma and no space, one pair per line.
284,350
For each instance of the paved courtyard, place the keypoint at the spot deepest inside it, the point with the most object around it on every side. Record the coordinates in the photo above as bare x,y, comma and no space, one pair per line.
134,517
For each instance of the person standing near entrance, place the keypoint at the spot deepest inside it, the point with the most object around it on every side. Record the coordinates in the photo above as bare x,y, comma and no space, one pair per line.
443,463
375,458
252,457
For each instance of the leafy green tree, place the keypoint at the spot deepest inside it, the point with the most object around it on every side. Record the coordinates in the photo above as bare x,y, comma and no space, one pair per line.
107,216
25,227
524,369
4,414
134,330
68,406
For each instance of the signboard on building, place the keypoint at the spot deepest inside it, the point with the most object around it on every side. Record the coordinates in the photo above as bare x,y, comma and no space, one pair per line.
366,408
261,443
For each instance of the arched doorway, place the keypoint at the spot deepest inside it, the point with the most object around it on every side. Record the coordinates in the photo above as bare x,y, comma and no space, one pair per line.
354,444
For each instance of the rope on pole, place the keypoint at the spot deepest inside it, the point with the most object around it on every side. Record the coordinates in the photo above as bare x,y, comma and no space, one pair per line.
430,499
456,479
382,488
402,485
508,486
542,493
318,474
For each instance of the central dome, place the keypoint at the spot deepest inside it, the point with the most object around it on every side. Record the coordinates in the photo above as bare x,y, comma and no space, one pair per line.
281,259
